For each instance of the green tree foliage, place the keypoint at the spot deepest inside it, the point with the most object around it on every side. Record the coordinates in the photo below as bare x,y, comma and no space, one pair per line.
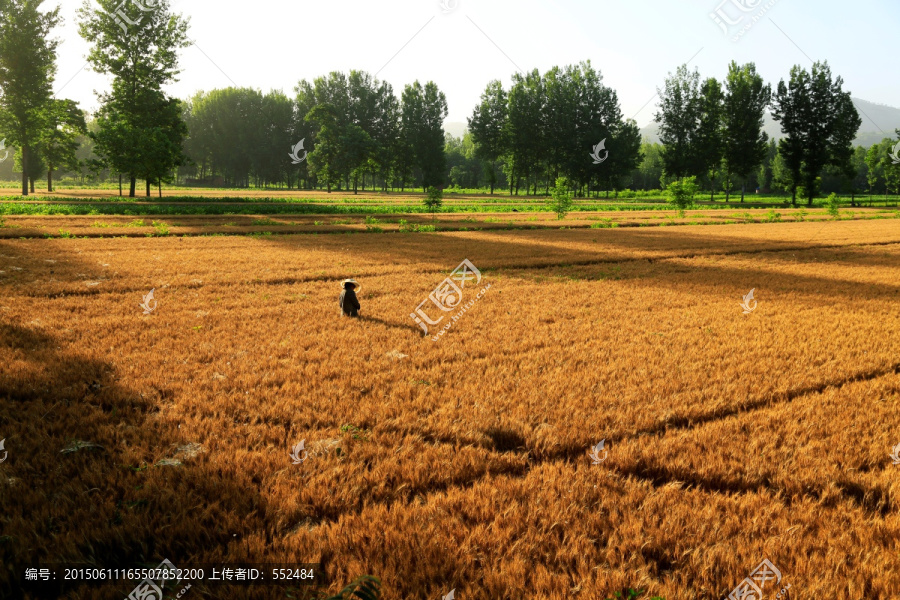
560,198
650,170
271,162
834,206
385,132
819,121
141,57
527,129
353,125
682,192
164,132
765,176
745,142
65,128
883,175
225,130
466,168
710,131
488,126
434,199
599,117
679,117
27,69
860,170
624,156
551,124
423,110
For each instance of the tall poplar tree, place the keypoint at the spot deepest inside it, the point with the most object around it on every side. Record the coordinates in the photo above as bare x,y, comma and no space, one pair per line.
27,69
678,118
710,132
138,47
488,125
423,110
819,121
745,142
65,128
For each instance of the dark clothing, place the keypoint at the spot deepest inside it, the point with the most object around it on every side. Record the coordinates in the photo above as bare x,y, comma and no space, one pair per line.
349,304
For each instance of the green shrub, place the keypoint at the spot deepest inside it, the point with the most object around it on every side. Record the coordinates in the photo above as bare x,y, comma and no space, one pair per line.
405,227
372,225
162,229
681,193
434,200
834,206
605,223
560,199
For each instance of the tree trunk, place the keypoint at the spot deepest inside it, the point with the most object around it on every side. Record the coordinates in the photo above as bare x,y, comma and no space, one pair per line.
133,186
120,185
148,187
794,196
32,185
49,178
160,188
493,168
25,156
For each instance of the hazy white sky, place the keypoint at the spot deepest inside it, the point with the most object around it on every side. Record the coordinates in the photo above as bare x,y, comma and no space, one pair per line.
272,44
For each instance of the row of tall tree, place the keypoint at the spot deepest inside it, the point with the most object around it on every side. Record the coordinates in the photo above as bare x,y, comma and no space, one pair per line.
353,130
548,126
356,130
44,129
715,131
139,131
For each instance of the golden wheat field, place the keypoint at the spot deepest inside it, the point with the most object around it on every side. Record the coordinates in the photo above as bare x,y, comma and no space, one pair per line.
462,463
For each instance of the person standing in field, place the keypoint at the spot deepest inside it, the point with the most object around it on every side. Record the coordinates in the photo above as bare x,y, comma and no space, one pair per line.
348,300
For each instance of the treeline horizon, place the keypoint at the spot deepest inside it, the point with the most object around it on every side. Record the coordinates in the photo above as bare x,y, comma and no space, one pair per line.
342,132
240,137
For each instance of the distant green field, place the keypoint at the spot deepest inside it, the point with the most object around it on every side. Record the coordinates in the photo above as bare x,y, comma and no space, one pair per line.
342,204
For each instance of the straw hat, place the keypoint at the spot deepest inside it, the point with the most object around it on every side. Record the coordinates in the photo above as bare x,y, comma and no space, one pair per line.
346,281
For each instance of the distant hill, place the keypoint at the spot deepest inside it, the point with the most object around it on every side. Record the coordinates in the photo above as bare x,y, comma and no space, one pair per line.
873,116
